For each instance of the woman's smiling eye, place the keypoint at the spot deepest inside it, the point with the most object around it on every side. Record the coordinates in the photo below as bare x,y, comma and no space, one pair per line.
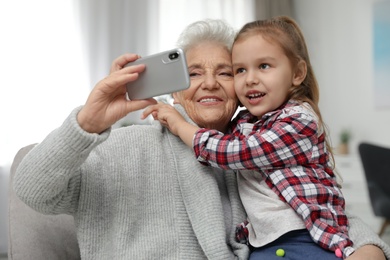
264,66
226,73
194,74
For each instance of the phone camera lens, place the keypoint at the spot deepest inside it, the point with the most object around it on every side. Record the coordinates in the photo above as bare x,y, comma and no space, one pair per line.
173,55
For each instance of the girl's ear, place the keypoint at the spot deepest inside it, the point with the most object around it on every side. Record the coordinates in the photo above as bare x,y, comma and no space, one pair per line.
300,73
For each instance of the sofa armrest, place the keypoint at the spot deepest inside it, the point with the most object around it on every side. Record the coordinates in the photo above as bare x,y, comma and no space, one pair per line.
32,235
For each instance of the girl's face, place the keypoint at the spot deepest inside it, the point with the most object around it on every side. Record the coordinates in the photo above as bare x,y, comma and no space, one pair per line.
210,101
263,74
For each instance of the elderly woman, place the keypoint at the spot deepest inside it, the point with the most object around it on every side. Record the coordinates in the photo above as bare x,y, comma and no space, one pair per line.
137,192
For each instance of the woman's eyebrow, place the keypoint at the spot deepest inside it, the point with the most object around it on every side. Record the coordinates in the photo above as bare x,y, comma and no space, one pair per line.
224,66
218,66
195,66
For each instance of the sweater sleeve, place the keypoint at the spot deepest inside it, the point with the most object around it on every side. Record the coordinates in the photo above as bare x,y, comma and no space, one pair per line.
48,178
363,235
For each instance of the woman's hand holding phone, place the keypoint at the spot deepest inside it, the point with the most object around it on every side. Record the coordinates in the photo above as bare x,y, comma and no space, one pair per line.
107,102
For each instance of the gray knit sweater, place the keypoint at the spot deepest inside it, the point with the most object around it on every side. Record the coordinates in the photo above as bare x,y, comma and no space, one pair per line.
138,193
135,193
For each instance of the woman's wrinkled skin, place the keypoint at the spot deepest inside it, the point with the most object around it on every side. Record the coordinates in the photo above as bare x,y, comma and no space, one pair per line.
210,101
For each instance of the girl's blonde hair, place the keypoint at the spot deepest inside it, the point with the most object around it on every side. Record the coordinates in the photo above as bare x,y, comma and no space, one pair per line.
285,32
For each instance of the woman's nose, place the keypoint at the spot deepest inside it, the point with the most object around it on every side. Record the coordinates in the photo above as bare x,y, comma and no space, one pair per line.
210,82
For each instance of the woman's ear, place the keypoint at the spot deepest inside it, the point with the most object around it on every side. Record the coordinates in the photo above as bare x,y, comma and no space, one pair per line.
300,73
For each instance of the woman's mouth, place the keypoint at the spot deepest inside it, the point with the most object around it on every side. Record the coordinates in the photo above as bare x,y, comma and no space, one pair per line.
209,100
206,100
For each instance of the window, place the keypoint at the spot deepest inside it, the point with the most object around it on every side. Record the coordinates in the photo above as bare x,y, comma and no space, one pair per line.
43,74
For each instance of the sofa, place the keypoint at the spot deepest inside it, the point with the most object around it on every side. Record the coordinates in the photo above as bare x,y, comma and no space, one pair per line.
35,236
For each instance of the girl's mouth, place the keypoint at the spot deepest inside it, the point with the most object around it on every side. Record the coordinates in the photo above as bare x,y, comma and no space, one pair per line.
255,95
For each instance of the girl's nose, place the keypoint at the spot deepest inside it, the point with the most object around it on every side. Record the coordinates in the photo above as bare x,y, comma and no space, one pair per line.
251,79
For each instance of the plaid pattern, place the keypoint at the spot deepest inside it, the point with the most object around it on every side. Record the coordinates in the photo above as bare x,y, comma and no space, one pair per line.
242,233
288,148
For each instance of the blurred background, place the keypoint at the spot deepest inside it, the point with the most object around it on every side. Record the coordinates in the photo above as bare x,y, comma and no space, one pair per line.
52,53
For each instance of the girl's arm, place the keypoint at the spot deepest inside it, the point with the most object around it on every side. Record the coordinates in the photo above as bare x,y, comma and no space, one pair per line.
268,147
283,142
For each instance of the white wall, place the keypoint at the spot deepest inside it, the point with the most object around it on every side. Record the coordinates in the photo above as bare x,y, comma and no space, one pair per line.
339,36
4,179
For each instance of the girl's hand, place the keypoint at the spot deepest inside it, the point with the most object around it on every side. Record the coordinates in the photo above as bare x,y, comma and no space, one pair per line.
167,115
107,102
173,120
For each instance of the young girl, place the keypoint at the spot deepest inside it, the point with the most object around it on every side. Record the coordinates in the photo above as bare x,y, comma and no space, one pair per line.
286,179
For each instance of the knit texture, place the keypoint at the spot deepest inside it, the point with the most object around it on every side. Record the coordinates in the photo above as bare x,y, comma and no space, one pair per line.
362,234
135,193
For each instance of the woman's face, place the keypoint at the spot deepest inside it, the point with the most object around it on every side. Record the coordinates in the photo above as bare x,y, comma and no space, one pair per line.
210,101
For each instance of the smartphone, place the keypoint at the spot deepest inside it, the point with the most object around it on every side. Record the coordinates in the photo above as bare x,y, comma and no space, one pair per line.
165,72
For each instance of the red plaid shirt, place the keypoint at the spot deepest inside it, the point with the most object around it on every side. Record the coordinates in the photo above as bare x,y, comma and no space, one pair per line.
288,148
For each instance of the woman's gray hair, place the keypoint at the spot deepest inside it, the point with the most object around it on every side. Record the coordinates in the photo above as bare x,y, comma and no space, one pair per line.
208,30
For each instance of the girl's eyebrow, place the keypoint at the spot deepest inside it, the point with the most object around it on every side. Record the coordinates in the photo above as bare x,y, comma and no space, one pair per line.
261,59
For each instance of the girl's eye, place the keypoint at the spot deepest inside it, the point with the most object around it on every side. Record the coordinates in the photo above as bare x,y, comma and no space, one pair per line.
264,66
240,70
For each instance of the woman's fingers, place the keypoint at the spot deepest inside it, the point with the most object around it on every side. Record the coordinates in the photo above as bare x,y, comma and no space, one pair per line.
135,105
122,60
118,79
